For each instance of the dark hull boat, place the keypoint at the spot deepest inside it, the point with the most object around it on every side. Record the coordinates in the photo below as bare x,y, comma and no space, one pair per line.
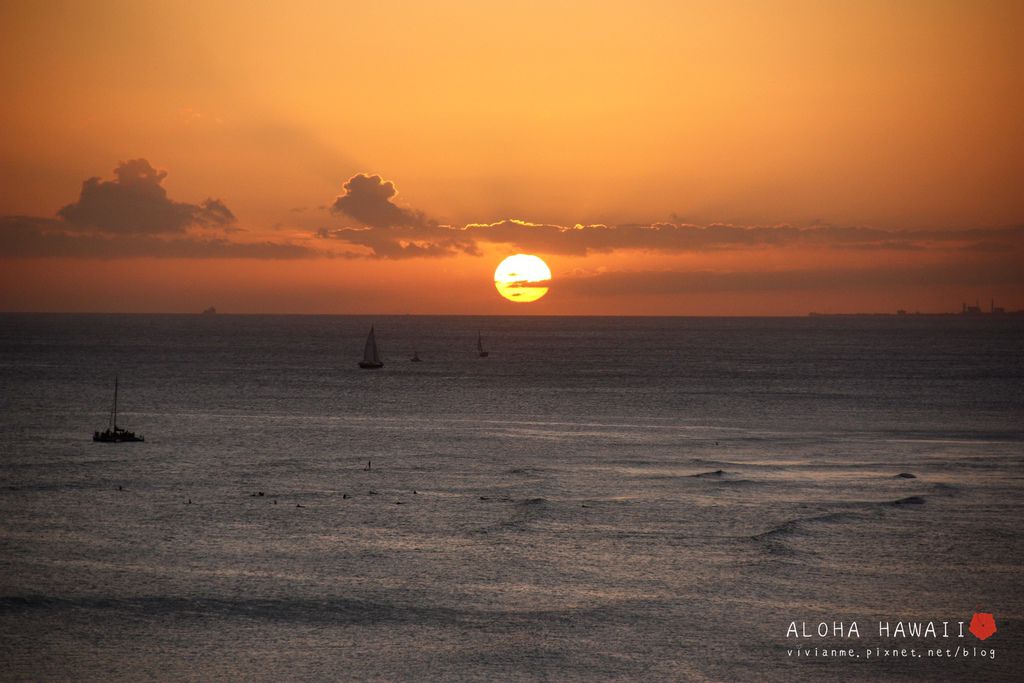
371,359
113,433
116,435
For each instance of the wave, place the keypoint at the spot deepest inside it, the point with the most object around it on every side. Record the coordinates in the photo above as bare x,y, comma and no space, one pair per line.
712,463
723,478
798,524
944,489
524,512
341,611
62,486
909,500
526,470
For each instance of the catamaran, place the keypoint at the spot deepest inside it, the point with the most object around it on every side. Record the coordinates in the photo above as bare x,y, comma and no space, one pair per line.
480,345
370,359
113,433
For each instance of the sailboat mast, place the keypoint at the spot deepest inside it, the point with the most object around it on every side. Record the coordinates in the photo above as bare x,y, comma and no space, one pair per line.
114,416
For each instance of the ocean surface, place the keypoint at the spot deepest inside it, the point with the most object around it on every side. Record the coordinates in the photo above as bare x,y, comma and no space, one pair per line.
600,499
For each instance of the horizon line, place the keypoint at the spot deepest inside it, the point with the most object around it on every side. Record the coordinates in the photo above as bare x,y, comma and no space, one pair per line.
809,314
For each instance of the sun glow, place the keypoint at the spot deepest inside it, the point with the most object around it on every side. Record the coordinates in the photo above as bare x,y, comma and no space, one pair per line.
522,278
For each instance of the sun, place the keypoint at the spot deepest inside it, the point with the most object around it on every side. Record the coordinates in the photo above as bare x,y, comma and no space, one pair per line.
522,278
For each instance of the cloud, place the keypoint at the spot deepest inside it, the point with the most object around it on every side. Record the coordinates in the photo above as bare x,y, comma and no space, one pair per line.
392,231
527,284
581,240
132,216
367,199
33,237
401,243
388,230
135,203
647,283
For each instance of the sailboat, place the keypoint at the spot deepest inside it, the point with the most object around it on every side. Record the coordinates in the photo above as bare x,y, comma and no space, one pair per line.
480,345
113,433
370,358
415,357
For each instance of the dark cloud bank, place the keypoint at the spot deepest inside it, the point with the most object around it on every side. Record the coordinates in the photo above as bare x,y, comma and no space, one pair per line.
28,236
132,216
1001,272
390,231
581,240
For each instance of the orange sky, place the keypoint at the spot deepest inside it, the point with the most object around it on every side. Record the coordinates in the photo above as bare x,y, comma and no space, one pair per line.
861,155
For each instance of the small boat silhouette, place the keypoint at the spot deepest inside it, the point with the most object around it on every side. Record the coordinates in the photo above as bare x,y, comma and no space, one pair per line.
480,346
113,433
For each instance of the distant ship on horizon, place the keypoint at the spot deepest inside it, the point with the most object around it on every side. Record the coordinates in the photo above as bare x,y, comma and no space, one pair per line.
965,309
976,308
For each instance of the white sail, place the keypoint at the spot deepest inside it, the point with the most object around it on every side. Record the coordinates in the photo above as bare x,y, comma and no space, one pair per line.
370,352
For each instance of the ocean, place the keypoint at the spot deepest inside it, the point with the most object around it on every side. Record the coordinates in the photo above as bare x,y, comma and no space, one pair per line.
660,499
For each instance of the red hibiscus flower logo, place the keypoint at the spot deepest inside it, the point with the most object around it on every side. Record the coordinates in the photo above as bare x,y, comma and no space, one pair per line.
983,625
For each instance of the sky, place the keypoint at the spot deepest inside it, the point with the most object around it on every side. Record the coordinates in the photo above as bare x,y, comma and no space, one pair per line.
664,158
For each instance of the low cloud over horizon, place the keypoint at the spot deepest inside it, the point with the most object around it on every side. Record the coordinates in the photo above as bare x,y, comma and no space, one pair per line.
131,216
583,240
1004,272
390,231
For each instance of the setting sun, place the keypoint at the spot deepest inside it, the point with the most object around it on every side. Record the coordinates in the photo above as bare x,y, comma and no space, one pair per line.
522,278
244,262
